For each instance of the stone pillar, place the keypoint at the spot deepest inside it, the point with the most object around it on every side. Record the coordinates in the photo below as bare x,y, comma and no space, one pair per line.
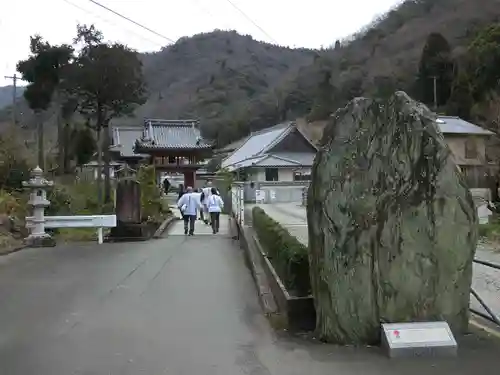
38,200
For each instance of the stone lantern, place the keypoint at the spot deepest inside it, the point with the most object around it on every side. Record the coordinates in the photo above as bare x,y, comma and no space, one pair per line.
38,200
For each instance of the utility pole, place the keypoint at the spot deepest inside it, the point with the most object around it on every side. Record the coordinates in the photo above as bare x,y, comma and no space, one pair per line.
14,79
434,78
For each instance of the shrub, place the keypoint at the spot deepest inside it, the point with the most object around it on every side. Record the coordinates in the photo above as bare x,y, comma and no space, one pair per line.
14,167
60,201
288,256
9,205
150,193
490,231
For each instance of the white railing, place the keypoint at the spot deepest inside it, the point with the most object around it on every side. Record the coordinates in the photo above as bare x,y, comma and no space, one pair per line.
80,221
238,203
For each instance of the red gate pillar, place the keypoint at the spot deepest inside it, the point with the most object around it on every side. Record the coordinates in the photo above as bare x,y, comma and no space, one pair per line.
189,178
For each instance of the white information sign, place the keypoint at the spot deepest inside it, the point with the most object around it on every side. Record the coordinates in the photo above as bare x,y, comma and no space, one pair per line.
272,193
418,339
418,335
260,196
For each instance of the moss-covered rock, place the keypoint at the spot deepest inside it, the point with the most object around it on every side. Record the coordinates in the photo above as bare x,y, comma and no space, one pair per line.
392,226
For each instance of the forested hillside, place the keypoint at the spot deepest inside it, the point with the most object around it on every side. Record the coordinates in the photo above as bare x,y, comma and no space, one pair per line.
235,84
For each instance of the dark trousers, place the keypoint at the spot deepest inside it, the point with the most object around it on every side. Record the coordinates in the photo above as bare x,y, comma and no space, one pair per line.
215,221
201,214
189,219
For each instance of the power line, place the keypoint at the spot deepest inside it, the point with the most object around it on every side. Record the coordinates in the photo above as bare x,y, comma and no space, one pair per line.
132,21
250,20
112,23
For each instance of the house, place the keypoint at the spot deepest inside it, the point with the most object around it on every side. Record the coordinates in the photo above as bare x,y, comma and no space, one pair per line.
467,143
280,153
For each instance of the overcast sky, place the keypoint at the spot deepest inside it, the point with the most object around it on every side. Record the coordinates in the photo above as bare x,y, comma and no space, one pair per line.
299,23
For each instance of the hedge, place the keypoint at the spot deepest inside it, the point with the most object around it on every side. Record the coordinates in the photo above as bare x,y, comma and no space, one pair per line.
288,256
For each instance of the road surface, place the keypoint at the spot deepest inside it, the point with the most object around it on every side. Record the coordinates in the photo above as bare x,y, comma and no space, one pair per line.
486,280
178,305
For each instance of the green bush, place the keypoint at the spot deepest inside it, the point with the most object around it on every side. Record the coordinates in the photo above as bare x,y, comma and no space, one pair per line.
490,231
288,256
60,201
150,193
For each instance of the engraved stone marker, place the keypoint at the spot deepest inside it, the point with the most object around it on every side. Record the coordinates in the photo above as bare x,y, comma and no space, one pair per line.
433,339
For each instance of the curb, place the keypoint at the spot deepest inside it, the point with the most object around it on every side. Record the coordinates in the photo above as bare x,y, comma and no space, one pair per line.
266,297
164,226
14,250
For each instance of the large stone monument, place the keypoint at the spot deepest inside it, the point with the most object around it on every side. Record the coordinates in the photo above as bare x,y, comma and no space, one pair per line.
392,226
128,210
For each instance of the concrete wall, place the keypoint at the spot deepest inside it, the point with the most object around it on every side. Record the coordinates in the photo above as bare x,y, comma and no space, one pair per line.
457,144
284,174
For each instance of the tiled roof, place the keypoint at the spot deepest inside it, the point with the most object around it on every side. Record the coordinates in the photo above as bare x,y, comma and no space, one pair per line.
123,139
302,158
257,143
455,125
172,134
278,159
233,145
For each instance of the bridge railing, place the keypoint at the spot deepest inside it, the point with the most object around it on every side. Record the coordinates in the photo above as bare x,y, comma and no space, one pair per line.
489,314
238,202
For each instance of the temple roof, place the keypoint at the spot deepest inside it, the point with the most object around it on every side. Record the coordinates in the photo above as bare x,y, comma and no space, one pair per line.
123,140
171,134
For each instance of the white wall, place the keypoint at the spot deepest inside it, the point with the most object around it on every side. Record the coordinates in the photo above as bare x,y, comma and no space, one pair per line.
284,174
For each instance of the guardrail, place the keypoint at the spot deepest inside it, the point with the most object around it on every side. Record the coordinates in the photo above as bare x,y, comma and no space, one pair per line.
79,221
490,314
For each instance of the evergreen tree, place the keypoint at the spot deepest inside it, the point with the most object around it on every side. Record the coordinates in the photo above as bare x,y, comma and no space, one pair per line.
461,98
484,53
436,63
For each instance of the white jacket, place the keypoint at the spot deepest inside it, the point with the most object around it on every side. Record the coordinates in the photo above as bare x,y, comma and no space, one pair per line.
188,204
214,203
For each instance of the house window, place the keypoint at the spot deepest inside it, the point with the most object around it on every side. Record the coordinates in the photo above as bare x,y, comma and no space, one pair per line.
470,149
271,174
301,176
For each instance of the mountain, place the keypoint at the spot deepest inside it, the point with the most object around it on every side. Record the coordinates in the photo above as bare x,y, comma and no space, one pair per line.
384,56
210,76
6,95
235,84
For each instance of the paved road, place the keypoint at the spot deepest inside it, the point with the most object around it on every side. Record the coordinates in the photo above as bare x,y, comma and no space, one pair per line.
486,280
178,305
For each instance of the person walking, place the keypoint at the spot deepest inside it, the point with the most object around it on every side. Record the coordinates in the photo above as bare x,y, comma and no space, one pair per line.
215,204
188,204
205,194
166,185
197,194
181,193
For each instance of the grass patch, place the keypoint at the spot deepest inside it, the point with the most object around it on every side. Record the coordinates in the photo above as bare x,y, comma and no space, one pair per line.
490,231
8,243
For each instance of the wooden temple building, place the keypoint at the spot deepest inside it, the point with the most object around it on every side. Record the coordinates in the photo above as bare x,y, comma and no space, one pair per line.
173,146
